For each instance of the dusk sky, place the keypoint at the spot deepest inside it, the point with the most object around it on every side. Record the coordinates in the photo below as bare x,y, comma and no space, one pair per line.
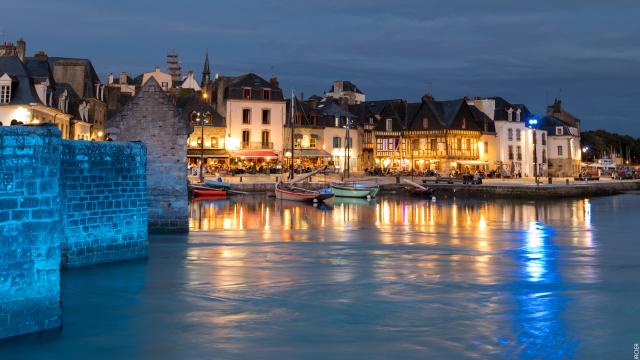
586,52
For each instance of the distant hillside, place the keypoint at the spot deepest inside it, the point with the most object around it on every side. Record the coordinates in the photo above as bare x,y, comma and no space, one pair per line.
602,143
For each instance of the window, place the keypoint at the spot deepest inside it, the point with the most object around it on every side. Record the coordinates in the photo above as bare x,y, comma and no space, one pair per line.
314,119
246,138
510,134
266,117
519,152
337,121
389,125
558,130
336,142
510,152
349,142
468,143
517,134
544,139
433,144
246,93
165,85
246,116
544,155
559,150
214,143
266,94
199,141
5,94
459,143
486,147
378,144
464,123
312,142
265,139
425,123
510,114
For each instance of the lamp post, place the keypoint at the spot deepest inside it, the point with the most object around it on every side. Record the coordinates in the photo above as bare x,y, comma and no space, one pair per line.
532,125
201,120
347,149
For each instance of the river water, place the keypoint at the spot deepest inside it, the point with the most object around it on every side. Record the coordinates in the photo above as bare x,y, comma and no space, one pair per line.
394,278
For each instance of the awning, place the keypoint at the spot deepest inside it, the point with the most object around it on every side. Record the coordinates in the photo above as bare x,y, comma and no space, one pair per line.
208,153
309,153
471,162
255,154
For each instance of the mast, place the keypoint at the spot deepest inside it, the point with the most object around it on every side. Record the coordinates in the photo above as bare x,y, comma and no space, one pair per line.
291,172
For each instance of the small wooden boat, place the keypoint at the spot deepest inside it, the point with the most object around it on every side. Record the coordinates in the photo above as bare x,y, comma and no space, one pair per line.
355,190
209,192
217,184
417,190
294,193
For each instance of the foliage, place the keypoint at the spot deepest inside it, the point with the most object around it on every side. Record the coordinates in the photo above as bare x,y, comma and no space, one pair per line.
602,143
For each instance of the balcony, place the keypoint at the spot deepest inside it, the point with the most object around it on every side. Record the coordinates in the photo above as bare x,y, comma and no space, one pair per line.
256,145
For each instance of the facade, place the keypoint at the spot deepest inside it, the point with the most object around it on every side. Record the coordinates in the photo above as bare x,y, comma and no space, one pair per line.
308,137
124,83
347,91
164,79
563,145
207,141
519,148
254,110
43,89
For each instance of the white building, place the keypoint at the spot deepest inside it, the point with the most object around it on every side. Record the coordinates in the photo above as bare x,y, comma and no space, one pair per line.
164,79
516,138
255,111
342,89
564,150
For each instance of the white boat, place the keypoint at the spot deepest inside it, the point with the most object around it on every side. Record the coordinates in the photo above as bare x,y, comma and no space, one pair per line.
355,190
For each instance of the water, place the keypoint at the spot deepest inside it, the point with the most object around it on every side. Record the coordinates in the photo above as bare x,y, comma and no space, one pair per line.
391,279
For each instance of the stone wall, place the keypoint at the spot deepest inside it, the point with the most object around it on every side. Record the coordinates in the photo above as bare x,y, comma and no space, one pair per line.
103,193
30,229
152,118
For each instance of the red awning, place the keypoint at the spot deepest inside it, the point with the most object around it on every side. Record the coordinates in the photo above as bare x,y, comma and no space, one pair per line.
254,154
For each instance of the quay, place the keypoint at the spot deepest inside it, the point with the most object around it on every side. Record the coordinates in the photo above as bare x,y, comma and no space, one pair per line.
525,188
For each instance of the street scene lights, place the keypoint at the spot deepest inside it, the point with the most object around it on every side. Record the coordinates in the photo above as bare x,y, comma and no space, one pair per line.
532,124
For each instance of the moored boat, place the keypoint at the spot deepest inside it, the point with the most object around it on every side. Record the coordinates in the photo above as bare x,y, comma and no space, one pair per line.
355,190
218,184
294,193
209,192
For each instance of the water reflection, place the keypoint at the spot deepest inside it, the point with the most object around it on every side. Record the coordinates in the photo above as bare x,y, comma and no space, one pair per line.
411,251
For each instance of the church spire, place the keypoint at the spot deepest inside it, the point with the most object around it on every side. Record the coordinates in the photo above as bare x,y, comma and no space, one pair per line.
206,74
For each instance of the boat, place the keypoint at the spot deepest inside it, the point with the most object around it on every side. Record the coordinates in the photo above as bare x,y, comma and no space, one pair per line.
289,192
417,190
355,190
200,192
217,184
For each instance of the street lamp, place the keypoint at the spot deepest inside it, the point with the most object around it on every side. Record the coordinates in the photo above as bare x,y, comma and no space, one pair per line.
532,123
201,120
347,150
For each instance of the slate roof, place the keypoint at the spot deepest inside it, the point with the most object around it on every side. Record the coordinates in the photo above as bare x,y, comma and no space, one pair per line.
234,87
447,114
549,123
22,90
193,103
90,76
39,69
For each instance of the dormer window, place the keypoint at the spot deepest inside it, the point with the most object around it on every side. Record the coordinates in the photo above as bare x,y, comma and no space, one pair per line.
5,89
337,121
558,130
246,93
266,94
425,123
510,114
464,123
389,125
518,114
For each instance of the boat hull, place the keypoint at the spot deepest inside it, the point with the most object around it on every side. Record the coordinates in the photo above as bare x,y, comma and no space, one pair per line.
297,194
354,191
209,193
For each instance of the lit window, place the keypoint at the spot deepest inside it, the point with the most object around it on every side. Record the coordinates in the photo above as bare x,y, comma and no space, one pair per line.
246,136
486,147
5,94
265,139
389,125
312,142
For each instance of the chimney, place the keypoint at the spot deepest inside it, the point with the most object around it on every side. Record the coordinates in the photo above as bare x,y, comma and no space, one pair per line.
123,78
157,69
41,55
427,97
21,49
274,82
220,104
110,78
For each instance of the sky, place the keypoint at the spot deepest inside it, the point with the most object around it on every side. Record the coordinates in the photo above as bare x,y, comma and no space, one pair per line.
585,52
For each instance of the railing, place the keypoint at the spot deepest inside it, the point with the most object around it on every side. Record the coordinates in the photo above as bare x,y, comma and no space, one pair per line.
256,145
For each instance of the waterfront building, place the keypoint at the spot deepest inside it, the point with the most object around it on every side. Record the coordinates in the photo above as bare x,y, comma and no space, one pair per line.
209,130
308,138
43,89
189,82
564,150
516,138
390,121
254,111
347,91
